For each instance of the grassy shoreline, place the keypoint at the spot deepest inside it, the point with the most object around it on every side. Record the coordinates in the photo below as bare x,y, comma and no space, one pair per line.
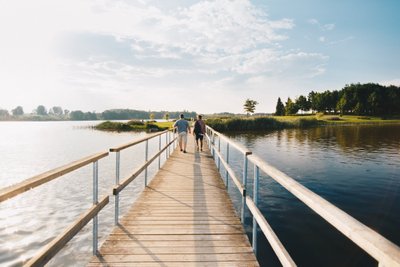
133,125
243,124
298,121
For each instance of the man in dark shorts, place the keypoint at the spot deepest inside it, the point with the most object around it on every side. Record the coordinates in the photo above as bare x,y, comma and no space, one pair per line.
199,131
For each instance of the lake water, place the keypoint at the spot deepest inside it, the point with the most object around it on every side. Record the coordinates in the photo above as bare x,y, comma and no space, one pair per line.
357,168
354,167
30,220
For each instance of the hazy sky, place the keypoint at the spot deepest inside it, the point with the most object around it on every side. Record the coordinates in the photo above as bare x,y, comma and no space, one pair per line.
204,56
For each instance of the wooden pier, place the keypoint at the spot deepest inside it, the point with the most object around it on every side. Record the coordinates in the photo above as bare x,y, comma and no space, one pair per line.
184,217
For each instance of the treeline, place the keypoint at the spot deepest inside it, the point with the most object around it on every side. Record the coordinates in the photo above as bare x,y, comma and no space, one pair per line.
57,113
357,99
127,114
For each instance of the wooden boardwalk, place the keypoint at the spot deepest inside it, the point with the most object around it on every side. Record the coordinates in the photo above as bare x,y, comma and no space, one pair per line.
183,218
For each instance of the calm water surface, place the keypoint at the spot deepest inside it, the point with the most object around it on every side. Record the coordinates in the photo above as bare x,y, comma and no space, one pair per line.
357,168
30,220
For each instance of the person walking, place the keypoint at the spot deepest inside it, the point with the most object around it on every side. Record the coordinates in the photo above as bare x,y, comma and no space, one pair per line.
183,129
199,130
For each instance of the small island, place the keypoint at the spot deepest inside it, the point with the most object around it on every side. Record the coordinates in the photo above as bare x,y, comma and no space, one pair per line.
133,125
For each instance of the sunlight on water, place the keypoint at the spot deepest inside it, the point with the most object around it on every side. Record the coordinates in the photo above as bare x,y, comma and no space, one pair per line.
31,220
357,168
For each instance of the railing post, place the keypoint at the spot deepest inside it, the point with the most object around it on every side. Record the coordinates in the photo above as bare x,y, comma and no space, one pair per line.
255,199
213,145
117,170
159,149
146,158
219,150
166,143
95,202
245,166
227,161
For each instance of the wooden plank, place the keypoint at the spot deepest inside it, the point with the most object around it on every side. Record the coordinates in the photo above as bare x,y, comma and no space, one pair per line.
40,179
237,238
184,217
167,243
180,264
59,242
172,249
241,257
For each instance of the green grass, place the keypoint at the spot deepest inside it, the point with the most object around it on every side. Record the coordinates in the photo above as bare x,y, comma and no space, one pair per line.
296,121
133,125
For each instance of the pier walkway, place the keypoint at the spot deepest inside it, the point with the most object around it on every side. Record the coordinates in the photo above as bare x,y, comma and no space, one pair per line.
184,217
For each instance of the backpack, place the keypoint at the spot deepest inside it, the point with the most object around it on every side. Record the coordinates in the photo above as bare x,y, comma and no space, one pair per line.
197,127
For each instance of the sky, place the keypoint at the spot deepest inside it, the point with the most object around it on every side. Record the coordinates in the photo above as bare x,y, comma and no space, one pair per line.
203,56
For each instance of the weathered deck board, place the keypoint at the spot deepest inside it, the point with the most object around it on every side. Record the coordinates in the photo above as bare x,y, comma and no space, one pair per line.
183,218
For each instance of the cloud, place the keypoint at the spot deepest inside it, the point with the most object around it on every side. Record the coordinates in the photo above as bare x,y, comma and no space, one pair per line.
130,51
323,27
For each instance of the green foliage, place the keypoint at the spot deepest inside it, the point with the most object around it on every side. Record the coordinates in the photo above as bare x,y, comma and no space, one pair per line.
250,106
166,116
302,103
291,108
79,115
133,125
41,110
359,99
280,108
18,111
4,113
56,110
129,114
258,124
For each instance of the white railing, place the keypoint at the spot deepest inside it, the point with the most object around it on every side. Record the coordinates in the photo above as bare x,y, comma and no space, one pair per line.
61,240
51,249
119,186
381,249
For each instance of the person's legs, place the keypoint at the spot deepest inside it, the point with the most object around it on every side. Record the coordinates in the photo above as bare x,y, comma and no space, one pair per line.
201,143
184,141
197,141
180,141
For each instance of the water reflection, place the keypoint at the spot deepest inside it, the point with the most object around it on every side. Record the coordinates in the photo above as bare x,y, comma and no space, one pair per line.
354,167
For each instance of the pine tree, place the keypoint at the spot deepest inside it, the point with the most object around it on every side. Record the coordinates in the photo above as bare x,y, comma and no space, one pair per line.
280,108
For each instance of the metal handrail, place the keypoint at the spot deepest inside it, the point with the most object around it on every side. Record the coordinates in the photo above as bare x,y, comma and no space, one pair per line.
61,240
381,249
119,186
28,184
377,246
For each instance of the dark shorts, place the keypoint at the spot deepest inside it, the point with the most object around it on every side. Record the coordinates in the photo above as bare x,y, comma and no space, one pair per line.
199,136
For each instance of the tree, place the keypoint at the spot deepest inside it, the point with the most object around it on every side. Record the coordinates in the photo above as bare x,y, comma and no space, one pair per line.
302,103
250,106
151,116
341,104
77,115
41,110
280,108
18,111
4,113
58,111
166,116
291,107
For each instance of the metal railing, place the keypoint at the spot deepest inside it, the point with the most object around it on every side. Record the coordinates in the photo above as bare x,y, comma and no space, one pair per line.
119,186
51,249
381,249
61,240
